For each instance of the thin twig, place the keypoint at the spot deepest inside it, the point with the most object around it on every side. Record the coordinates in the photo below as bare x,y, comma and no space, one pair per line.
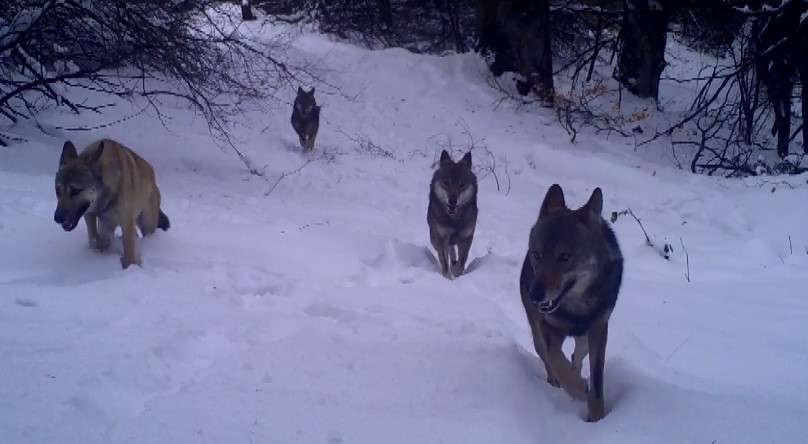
687,259
287,174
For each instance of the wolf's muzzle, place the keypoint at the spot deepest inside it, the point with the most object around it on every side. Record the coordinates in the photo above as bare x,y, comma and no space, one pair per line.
537,295
67,220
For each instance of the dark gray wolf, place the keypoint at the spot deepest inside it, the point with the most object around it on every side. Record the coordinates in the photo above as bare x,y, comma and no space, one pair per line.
570,279
110,186
306,118
452,212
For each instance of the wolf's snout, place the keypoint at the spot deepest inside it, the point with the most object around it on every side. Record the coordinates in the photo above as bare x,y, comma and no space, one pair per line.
59,216
452,201
537,293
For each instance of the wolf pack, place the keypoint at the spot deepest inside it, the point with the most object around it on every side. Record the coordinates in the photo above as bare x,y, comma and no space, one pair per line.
570,276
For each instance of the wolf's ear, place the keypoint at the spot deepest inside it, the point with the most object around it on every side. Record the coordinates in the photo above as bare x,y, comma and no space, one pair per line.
592,209
445,158
311,93
69,153
97,153
553,201
466,160
595,203
300,91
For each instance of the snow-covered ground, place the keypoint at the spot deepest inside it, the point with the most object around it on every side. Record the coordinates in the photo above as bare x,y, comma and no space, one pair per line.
315,313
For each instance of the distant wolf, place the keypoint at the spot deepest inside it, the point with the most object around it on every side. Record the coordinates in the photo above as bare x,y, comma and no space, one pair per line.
306,118
452,212
110,186
570,279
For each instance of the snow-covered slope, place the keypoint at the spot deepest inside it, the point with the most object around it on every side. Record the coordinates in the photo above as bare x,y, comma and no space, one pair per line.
315,312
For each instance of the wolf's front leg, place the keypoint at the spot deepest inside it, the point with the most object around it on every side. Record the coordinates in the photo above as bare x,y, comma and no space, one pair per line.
463,247
569,379
580,352
597,346
92,230
106,232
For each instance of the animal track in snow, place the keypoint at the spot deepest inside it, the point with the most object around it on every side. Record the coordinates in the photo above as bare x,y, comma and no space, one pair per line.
243,284
332,312
394,261
397,254
25,302
334,437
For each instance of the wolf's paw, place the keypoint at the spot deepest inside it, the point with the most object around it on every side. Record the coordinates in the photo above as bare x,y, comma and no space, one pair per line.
457,269
577,363
580,391
137,262
553,381
595,415
99,245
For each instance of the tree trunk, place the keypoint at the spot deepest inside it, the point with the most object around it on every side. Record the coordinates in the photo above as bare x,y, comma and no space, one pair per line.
543,81
804,86
778,58
386,13
246,10
643,37
781,97
518,33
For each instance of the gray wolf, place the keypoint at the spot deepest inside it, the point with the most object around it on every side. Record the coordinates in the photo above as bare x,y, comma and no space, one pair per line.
570,280
452,212
306,118
110,186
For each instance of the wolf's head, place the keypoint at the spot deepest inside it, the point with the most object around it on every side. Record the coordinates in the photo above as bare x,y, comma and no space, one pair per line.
565,248
304,102
454,184
77,182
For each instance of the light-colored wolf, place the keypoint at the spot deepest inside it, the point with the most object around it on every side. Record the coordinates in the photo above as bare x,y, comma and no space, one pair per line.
110,186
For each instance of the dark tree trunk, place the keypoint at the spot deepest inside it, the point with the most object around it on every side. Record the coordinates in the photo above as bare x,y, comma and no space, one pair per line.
544,66
643,36
518,33
386,13
780,53
779,87
804,81
246,10
804,86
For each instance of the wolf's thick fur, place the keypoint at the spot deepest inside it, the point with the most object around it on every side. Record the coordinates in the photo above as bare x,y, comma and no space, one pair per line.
306,118
570,280
110,186
452,212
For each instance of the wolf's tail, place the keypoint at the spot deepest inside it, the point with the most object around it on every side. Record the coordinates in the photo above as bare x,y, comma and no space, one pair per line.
162,221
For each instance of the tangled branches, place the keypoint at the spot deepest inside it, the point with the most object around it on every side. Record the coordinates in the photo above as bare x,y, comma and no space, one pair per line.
187,50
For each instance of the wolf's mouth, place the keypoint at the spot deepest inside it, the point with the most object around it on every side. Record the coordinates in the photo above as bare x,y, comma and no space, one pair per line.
70,223
451,210
553,304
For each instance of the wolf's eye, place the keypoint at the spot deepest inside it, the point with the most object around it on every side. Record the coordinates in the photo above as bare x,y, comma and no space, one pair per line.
58,193
462,184
563,257
446,183
74,192
536,256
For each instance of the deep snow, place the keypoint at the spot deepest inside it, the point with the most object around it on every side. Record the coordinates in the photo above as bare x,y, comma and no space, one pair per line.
316,313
